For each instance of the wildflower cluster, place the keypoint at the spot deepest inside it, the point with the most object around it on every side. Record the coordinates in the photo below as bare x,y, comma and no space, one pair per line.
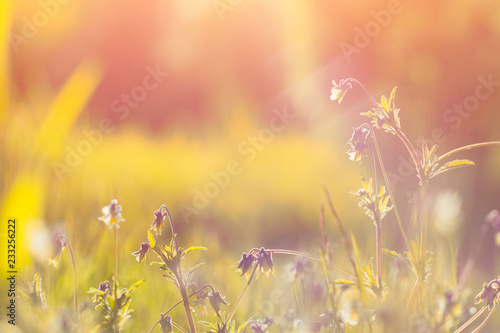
324,295
378,203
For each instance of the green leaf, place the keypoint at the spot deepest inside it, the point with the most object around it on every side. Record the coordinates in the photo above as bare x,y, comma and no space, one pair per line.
358,269
156,263
191,270
134,286
242,327
194,249
151,239
391,253
111,301
384,104
346,282
368,272
452,165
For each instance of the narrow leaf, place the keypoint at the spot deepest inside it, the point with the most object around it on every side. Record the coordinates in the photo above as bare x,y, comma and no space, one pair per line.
358,269
346,282
453,165
194,249
391,253
151,239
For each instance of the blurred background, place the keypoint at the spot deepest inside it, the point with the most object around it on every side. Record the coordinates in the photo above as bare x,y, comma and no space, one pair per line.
221,111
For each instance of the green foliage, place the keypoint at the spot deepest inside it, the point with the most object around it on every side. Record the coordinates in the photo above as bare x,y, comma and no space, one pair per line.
113,307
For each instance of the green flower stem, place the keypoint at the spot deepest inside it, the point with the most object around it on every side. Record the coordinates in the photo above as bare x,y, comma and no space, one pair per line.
331,287
411,150
378,232
476,145
414,291
425,218
487,318
338,222
185,300
179,302
364,89
388,185
471,320
233,311
75,296
374,167
296,298
178,327
171,225
116,264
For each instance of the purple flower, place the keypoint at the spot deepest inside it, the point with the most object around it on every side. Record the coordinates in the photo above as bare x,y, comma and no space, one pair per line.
158,221
104,286
339,90
298,268
261,327
165,323
266,262
141,253
112,214
216,300
198,305
489,293
326,318
245,263
359,144
257,328
57,257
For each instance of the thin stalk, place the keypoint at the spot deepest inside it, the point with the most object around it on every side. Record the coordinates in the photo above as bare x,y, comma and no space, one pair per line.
171,225
411,150
469,264
179,302
364,89
425,218
75,296
185,301
231,314
471,320
388,185
378,232
296,298
303,293
475,145
300,254
374,167
486,319
178,327
331,288
413,292
323,231
116,263
338,222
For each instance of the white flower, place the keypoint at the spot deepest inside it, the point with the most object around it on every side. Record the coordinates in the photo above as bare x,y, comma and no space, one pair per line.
339,90
112,214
